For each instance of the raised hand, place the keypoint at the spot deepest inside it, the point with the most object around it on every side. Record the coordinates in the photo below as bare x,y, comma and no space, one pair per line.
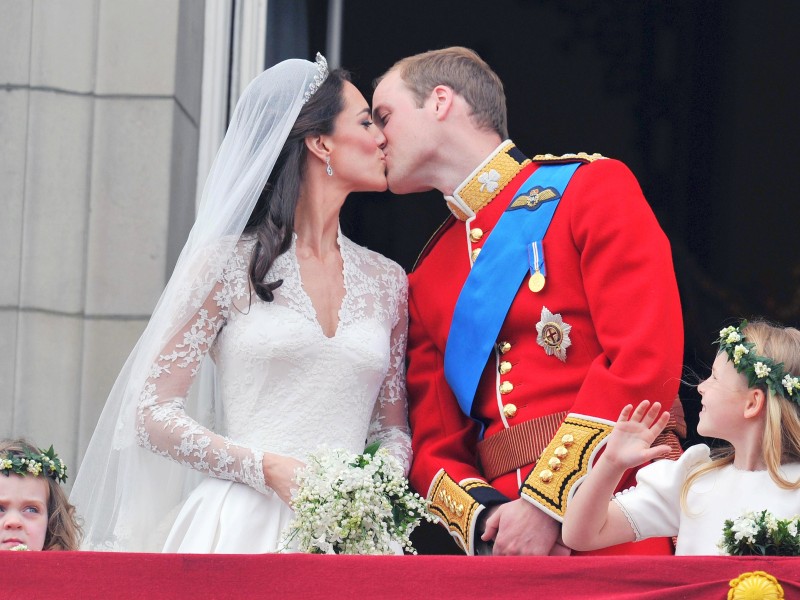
636,429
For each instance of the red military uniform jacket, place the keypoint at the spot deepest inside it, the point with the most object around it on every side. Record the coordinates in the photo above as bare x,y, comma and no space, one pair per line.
610,289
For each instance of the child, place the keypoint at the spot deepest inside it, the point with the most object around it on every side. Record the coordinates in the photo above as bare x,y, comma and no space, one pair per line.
34,511
752,401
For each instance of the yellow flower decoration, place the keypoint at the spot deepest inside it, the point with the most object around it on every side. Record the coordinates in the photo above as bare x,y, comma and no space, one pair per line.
757,585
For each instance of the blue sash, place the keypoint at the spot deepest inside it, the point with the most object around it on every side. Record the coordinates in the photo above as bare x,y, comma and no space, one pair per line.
494,281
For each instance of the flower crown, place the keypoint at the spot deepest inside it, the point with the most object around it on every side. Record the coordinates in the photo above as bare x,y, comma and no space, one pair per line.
34,463
758,369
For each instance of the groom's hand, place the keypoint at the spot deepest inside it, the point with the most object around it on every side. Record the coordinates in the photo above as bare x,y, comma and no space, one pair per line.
519,528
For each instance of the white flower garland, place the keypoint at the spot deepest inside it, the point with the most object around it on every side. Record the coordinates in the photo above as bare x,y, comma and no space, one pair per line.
759,370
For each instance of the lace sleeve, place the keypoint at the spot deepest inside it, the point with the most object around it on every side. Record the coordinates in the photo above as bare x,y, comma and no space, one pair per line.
162,424
389,424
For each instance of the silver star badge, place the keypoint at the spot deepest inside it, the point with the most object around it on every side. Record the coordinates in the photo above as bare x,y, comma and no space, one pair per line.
553,334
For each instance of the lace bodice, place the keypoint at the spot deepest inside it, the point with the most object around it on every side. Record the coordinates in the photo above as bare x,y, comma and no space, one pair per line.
284,386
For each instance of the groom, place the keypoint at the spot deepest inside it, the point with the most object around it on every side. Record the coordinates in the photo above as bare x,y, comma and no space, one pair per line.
540,308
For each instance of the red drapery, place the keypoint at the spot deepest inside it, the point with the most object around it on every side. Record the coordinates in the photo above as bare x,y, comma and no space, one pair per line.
88,575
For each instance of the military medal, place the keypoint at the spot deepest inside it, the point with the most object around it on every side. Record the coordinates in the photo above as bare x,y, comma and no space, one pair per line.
553,334
536,262
536,282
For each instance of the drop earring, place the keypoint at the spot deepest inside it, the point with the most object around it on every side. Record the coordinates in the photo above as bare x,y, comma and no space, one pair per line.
328,167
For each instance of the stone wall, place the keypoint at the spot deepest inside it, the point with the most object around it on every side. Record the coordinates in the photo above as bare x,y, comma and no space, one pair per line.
99,112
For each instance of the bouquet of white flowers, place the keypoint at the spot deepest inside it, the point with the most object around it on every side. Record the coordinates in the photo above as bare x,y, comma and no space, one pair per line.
760,534
353,504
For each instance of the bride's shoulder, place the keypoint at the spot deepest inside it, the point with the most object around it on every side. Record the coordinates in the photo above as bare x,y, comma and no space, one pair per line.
245,245
224,259
221,250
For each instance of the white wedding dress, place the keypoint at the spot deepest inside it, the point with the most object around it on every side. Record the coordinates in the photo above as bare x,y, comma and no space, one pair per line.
284,387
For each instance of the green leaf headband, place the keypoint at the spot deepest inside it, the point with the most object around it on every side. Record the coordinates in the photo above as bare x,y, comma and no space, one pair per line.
26,462
758,369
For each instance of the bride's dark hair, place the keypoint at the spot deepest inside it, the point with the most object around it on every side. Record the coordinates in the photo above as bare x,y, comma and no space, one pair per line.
272,219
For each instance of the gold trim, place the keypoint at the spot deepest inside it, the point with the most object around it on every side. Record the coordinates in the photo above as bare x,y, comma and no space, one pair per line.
487,181
455,507
569,157
471,484
550,482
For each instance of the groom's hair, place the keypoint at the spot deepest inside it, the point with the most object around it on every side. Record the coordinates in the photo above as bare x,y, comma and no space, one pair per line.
467,74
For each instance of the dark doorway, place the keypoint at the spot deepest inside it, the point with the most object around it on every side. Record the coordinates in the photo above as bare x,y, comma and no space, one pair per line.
696,96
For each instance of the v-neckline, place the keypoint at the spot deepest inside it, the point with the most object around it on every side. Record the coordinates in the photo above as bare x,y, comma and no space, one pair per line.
309,302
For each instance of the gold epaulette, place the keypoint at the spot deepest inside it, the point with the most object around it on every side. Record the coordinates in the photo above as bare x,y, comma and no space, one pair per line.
567,158
564,462
455,507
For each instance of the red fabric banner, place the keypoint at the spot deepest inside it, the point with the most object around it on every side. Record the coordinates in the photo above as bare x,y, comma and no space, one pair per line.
89,575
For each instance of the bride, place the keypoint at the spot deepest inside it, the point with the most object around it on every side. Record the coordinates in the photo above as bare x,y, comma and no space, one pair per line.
295,334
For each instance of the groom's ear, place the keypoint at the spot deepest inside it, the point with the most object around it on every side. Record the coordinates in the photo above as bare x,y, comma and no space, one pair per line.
442,98
318,145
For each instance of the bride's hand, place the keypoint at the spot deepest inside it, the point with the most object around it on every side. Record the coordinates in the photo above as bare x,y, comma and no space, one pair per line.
279,474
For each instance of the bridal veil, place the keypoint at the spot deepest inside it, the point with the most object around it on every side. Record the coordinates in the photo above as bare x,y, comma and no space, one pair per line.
126,494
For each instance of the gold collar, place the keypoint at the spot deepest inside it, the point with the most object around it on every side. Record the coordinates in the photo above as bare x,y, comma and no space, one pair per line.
487,181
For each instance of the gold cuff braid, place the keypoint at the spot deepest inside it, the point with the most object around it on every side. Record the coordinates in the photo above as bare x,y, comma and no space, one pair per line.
565,460
455,507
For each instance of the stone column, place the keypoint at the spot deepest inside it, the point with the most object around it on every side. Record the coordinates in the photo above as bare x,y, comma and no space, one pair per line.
99,112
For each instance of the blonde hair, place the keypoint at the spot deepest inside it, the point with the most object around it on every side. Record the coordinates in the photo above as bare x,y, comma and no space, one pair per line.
467,74
63,530
781,441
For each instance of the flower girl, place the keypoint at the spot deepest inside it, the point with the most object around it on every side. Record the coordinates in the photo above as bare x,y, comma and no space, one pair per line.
751,400
34,511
